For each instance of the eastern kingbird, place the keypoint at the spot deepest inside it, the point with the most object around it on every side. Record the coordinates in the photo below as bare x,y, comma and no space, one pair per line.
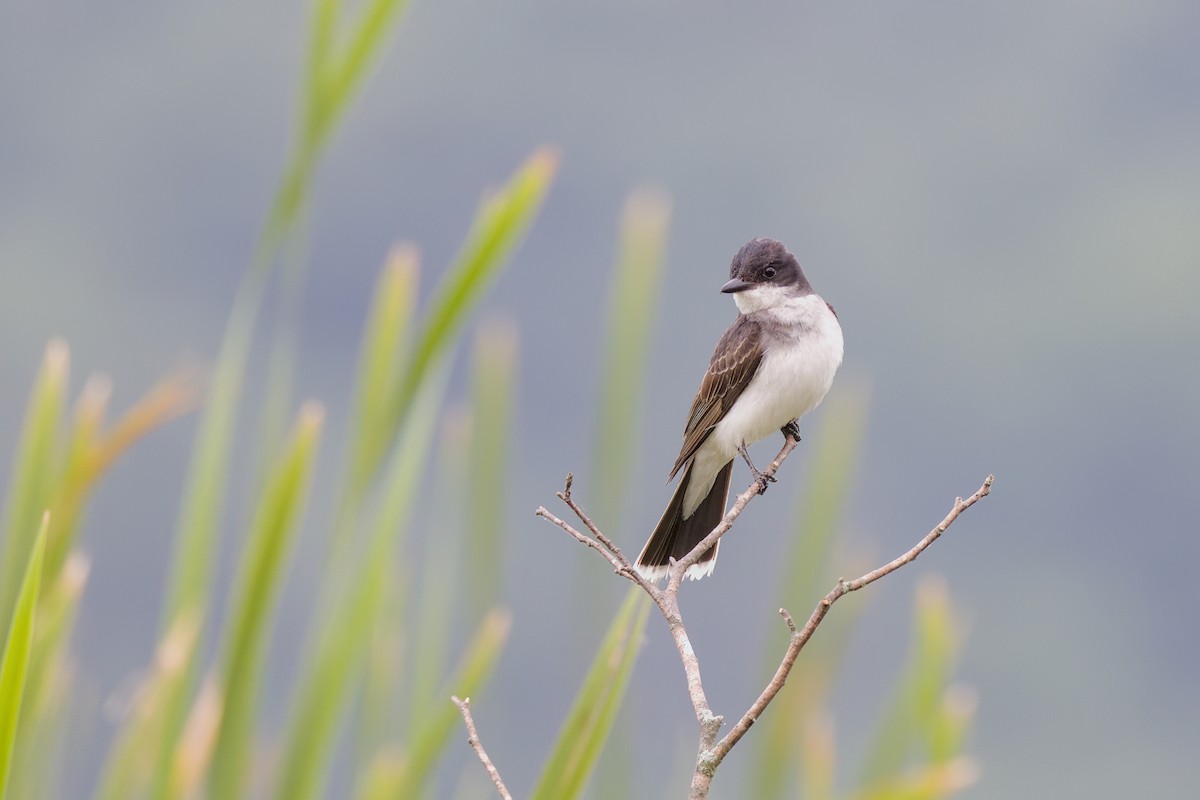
773,366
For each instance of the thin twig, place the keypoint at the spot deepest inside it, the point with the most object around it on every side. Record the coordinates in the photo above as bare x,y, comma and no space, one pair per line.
601,544
620,564
473,739
565,496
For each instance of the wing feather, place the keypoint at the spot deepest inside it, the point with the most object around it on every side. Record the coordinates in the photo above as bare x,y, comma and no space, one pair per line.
733,364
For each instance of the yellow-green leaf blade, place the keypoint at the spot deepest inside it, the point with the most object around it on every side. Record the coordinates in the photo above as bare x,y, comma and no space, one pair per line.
256,587
341,651
434,618
637,279
499,226
128,772
493,386
932,780
32,483
379,362
18,647
905,728
323,29
583,734
347,67
430,740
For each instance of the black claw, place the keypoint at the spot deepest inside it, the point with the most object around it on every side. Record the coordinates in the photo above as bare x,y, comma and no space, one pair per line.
792,429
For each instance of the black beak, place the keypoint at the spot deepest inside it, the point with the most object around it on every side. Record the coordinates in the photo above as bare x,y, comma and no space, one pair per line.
736,285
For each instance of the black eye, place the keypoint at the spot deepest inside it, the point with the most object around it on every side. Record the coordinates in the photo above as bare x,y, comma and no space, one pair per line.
769,272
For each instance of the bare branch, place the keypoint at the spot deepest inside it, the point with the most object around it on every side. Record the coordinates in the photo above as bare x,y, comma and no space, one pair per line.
712,751
800,637
473,739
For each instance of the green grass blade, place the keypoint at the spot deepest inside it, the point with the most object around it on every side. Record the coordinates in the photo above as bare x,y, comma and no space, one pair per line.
72,482
493,387
905,730
290,198
333,76
92,447
189,584
188,587
32,487
932,780
634,289
634,294
255,590
939,641
380,357
474,669
949,731
204,495
48,687
192,756
18,647
47,690
382,776
384,674
583,734
322,36
498,227
282,353
818,758
128,772
348,67
435,602
330,676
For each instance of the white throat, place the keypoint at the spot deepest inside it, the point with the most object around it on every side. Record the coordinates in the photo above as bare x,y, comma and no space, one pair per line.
765,296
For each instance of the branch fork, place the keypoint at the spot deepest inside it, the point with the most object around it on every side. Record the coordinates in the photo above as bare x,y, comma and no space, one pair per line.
712,750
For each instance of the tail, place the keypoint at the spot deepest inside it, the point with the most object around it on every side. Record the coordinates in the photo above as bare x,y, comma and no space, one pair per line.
674,536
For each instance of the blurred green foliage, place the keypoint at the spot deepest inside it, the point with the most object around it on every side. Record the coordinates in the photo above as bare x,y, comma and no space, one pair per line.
256,587
18,647
192,727
586,728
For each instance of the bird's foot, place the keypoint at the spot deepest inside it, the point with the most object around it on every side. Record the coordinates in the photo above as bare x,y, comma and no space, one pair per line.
791,430
760,477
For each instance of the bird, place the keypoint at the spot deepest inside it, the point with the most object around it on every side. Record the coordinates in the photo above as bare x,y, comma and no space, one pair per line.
773,365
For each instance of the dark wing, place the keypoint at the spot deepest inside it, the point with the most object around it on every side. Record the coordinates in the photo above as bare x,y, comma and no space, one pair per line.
733,364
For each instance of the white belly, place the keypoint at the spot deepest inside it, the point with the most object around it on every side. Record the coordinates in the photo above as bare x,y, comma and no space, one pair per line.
792,380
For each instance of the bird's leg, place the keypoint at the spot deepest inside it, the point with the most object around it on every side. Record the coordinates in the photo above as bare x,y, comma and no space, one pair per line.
761,477
792,430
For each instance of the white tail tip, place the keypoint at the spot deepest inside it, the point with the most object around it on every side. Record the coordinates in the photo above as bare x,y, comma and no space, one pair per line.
655,573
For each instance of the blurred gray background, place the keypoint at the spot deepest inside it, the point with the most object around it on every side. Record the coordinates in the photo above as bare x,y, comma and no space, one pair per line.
1002,199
